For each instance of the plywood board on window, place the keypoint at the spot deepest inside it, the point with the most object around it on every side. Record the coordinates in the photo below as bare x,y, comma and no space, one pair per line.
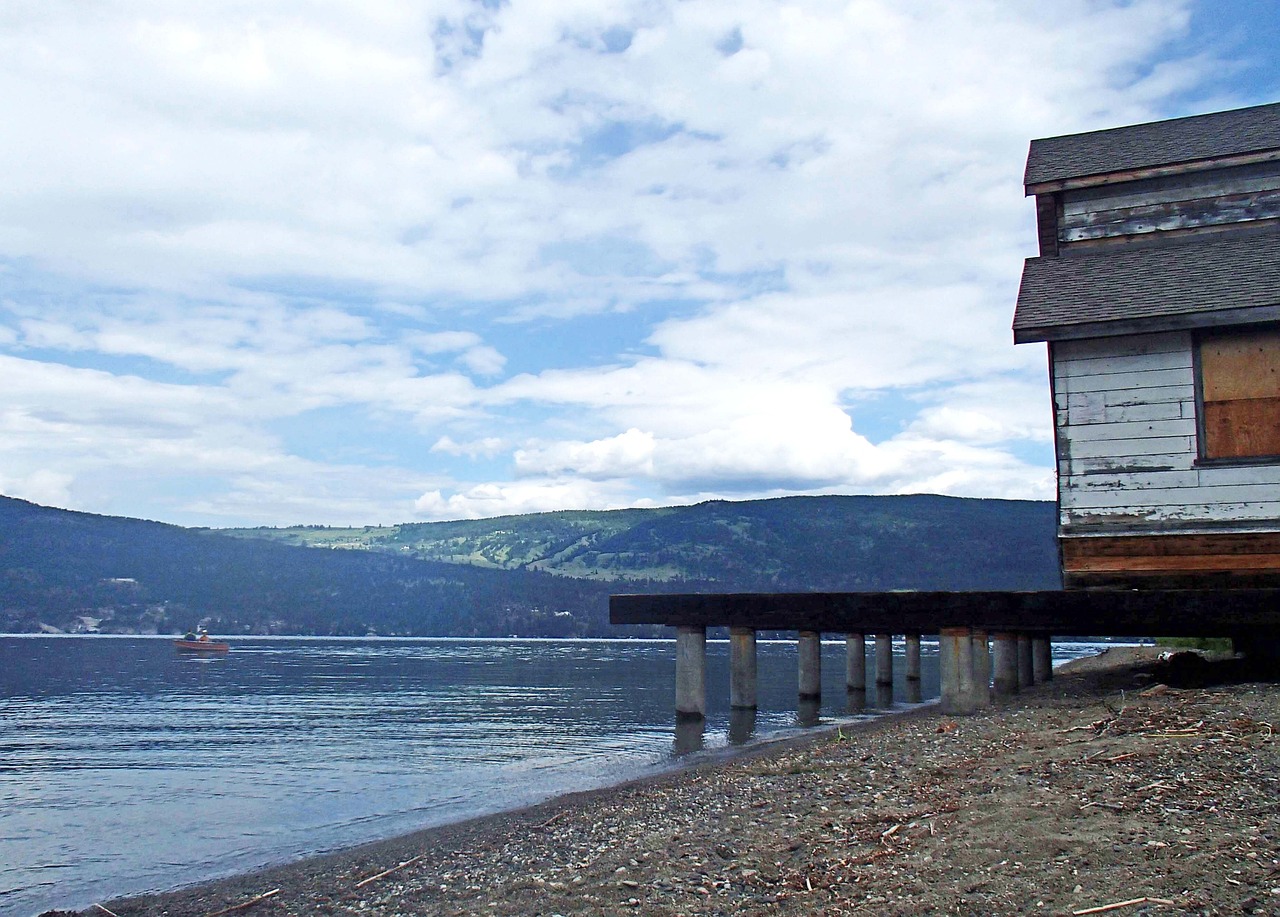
1244,428
1241,366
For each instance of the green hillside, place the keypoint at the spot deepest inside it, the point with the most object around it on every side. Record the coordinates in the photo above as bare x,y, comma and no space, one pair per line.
71,571
789,544
548,574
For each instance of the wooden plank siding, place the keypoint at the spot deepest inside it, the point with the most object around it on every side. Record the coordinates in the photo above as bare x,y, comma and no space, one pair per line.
1128,443
1232,558
1179,203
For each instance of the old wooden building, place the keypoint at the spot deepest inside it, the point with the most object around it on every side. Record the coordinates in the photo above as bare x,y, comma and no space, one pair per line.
1157,290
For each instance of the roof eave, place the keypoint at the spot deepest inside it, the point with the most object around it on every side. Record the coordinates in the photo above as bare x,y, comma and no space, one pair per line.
1075,182
1190,321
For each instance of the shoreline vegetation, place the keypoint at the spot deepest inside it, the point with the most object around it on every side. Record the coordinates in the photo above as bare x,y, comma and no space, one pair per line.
1126,785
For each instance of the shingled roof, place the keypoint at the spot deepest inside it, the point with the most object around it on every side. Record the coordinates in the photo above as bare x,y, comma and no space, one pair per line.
1159,143
1223,278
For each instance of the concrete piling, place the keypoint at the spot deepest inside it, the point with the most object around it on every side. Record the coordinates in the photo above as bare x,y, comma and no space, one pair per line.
809,651
981,669
884,660
855,672
1041,659
691,673
911,676
855,666
968,659
955,664
912,673
884,671
742,668
1026,674
1006,663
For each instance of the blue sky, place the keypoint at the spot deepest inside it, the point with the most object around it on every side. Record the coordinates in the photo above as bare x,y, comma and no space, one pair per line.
377,262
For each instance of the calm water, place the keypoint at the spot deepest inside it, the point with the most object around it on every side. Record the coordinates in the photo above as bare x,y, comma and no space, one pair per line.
126,768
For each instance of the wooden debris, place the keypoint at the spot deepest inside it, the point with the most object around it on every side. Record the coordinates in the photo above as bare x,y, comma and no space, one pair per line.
386,872
552,819
1119,904
105,910
244,904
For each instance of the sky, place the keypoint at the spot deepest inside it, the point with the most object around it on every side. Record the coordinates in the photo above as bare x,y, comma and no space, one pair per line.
355,262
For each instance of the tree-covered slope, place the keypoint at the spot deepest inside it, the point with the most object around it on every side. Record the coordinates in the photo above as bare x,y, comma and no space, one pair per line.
58,568
540,575
794,543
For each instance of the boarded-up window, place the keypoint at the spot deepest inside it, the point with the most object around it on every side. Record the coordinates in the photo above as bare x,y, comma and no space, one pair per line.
1240,392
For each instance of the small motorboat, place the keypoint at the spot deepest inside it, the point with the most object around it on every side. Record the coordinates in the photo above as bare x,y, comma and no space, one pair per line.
200,643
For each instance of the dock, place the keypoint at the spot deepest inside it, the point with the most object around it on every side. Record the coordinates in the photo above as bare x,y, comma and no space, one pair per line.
990,643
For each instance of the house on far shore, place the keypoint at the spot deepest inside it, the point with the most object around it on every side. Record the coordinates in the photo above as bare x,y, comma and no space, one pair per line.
1157,290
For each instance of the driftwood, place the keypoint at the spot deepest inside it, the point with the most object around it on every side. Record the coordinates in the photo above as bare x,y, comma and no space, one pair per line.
548,822
244,904
105,910
386,872
1119,904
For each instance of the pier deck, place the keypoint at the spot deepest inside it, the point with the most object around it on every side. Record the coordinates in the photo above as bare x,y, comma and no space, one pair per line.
1018,625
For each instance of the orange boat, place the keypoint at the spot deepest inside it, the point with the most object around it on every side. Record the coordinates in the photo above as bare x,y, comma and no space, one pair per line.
191,643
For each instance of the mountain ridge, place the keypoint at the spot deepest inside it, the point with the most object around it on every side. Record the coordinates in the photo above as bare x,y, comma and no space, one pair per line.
546,574
623,545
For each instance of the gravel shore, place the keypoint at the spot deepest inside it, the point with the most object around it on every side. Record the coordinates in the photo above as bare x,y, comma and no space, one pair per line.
1124,786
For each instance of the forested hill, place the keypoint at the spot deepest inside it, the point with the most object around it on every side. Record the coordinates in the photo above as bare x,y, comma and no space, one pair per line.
790,544
539,575
75,571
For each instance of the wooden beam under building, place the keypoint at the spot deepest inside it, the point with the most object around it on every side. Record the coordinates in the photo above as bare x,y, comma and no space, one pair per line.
1248,613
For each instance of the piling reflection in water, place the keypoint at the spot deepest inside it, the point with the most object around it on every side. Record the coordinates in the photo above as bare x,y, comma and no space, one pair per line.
808,713
689,736
855,700
742,725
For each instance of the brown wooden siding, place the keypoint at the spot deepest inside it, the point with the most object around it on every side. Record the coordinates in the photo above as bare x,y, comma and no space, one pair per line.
1172,560
1047,209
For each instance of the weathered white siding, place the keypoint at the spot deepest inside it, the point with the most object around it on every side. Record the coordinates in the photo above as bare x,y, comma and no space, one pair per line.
1213,197
1127,444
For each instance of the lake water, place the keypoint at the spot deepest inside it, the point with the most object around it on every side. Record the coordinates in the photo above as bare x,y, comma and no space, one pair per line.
126,767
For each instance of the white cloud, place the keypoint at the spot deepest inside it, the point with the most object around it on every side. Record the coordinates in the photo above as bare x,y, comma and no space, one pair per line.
995,410
626,455
513,498
51,488
641,251
487,447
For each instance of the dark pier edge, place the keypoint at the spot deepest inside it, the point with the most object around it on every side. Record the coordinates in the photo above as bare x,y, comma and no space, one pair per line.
1244,614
